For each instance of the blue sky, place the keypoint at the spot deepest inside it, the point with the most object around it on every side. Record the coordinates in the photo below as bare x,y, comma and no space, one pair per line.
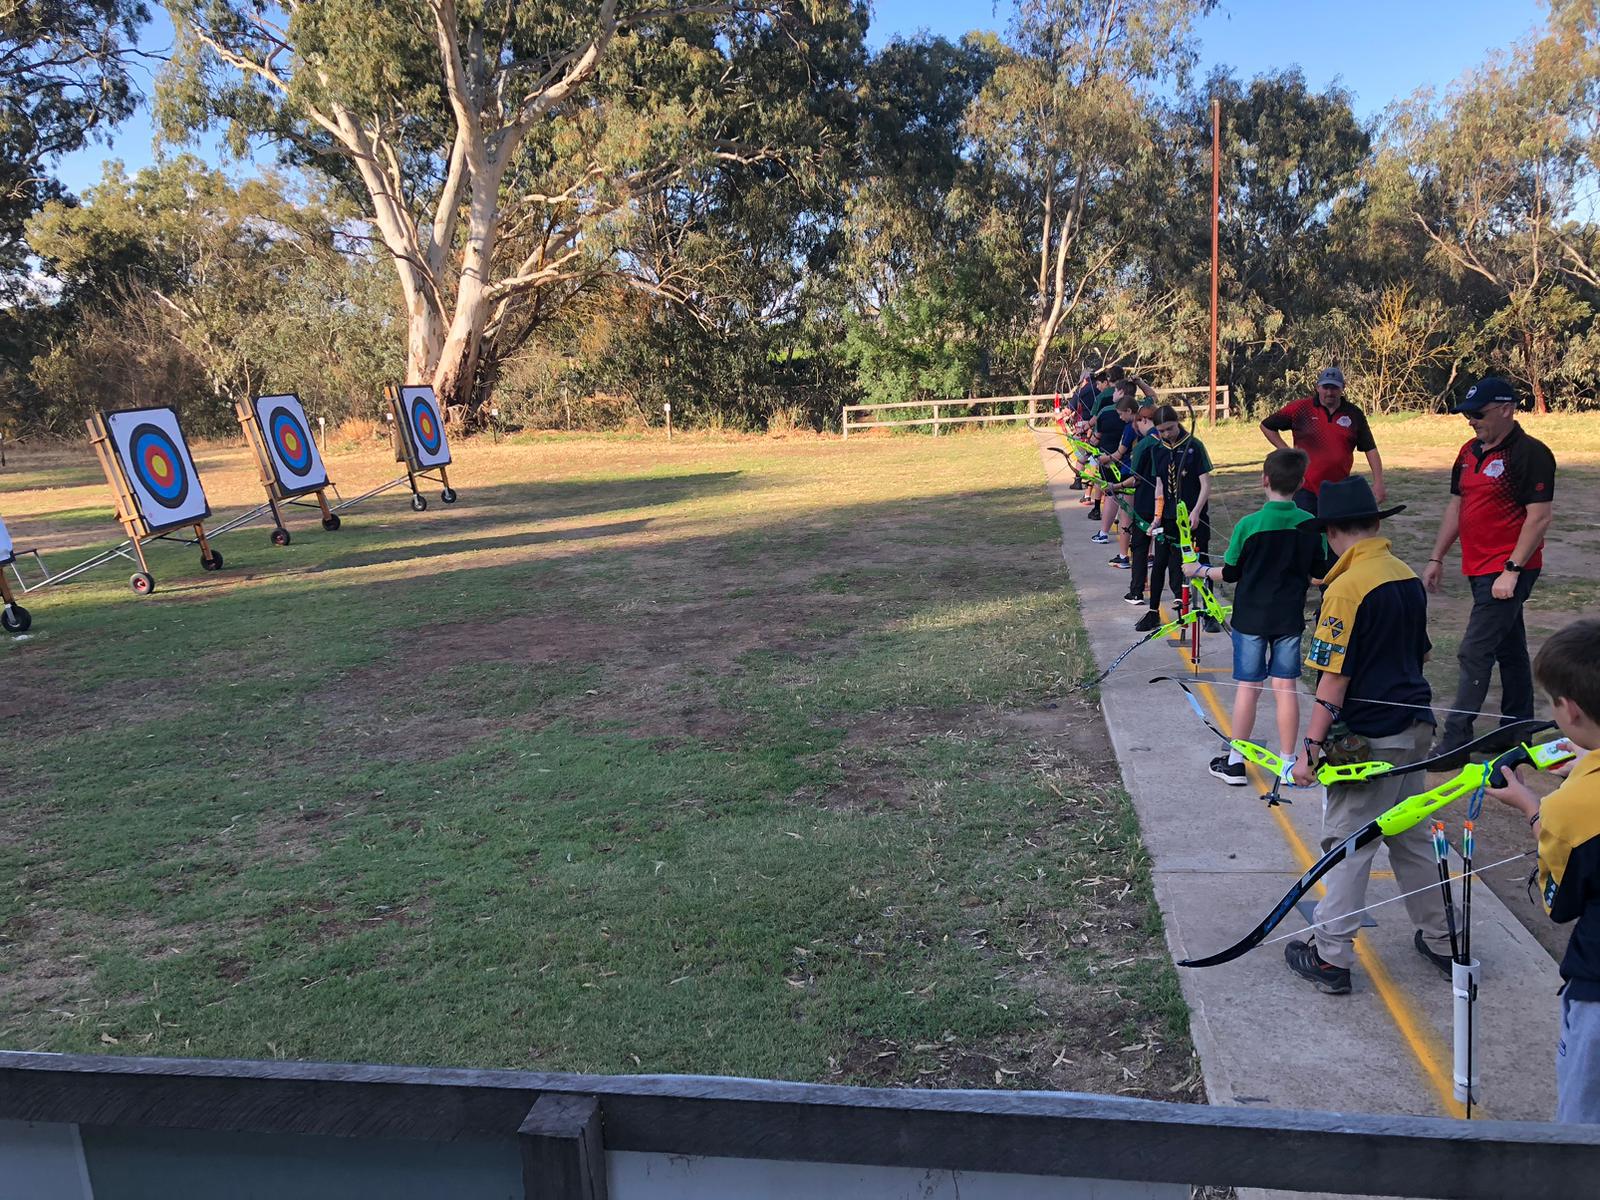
1380,50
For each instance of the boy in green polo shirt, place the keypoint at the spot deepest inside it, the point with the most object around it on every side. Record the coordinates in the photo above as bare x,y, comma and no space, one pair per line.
1272,557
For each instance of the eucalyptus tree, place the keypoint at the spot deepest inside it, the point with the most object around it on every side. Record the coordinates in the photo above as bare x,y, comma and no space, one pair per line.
1501,178
1067,117
499,149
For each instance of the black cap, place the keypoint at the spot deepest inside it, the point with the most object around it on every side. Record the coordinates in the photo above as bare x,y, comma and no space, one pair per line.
1349,500
1488,390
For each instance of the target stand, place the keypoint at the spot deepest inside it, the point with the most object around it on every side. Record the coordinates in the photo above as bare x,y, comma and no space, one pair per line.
420,443
147,463
287,457
13,617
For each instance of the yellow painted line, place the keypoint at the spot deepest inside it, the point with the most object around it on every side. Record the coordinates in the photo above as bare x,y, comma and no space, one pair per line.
1430,1055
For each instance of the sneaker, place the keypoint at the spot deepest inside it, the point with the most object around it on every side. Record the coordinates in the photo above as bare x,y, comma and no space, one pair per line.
1134,598
1077,486
1231,773
1305,962
1150,620
1442,961
1121,562
1100,538
1209,624
1094,513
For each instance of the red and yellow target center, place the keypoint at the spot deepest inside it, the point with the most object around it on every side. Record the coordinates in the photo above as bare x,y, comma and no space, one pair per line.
291,443
161,469
425,423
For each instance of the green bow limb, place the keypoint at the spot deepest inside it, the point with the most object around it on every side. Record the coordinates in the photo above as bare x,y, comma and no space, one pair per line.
1405,815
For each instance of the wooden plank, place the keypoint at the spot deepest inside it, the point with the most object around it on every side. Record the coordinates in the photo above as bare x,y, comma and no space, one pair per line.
563,1151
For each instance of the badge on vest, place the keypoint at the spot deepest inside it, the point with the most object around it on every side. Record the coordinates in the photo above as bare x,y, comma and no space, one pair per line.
1495,469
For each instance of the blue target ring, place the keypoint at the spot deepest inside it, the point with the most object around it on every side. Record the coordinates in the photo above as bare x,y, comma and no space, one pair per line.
158,465
290,441
426,425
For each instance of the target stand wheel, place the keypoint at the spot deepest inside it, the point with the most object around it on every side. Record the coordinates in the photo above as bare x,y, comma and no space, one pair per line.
331,522
419,503
280,536
213,561
15,619
448,495
142,583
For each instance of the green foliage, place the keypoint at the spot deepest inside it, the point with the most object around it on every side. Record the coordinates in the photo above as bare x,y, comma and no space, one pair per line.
188,289
746,215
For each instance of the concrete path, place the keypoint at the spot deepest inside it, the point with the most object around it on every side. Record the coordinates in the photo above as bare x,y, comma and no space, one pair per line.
1222,859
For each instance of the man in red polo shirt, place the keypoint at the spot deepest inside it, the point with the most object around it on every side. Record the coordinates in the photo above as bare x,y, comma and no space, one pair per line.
1330,430
1501,488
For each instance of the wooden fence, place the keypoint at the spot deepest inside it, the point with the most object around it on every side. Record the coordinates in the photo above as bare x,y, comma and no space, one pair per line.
89,1128
1039,408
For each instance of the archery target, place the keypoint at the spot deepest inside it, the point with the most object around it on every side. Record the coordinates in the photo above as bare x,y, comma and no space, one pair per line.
424,427
7,551
291,449
160,471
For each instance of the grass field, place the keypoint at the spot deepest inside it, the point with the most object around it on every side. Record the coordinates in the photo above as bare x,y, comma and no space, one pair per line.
740,757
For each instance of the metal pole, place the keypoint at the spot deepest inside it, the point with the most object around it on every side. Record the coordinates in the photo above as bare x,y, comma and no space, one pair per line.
1216,212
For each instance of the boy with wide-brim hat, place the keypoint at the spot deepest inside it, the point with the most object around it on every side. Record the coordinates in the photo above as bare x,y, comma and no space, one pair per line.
1372,702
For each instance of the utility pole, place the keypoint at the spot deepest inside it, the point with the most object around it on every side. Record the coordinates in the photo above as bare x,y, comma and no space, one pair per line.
1216,214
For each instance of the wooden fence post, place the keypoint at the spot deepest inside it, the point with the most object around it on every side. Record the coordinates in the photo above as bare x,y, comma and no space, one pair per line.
563,1153
935,420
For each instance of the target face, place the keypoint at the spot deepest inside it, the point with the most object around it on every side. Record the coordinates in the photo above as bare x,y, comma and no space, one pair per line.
7,552
291,449
155,459
424,427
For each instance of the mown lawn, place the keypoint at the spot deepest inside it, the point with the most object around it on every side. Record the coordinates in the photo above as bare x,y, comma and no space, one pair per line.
737,757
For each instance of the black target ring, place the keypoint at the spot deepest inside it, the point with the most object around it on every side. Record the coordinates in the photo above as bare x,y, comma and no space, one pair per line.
158,465
426,425
290,441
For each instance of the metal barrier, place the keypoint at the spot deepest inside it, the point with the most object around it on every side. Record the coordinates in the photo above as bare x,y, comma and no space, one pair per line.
89,1128
1039,408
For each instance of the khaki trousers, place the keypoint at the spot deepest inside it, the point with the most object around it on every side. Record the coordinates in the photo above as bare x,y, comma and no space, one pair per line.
1346,809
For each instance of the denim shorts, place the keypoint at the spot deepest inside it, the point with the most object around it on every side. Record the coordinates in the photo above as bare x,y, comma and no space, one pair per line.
1255,657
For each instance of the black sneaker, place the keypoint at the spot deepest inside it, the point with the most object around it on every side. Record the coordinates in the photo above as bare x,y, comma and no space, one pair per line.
1150,620
1231,773
1077,486
1305,962
1094,513
1134,598
1121,562
1442,961
1209,624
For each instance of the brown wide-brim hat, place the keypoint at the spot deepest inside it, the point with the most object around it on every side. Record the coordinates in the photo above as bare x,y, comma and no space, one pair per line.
1349,500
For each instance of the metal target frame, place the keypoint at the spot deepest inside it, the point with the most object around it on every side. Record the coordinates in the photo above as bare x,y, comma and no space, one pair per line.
279,494
130,513
408,452
136,525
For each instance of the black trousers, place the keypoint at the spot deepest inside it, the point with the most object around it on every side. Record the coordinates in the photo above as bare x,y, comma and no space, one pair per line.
1139,551
1168,559
1495,634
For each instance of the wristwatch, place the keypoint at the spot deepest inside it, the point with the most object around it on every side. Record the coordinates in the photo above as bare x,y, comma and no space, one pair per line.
1511,565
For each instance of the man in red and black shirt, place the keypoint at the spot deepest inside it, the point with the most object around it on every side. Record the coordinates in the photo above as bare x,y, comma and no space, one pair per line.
1330,430
1501,488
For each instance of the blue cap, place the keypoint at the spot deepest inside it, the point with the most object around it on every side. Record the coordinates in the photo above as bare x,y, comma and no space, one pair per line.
1488,390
